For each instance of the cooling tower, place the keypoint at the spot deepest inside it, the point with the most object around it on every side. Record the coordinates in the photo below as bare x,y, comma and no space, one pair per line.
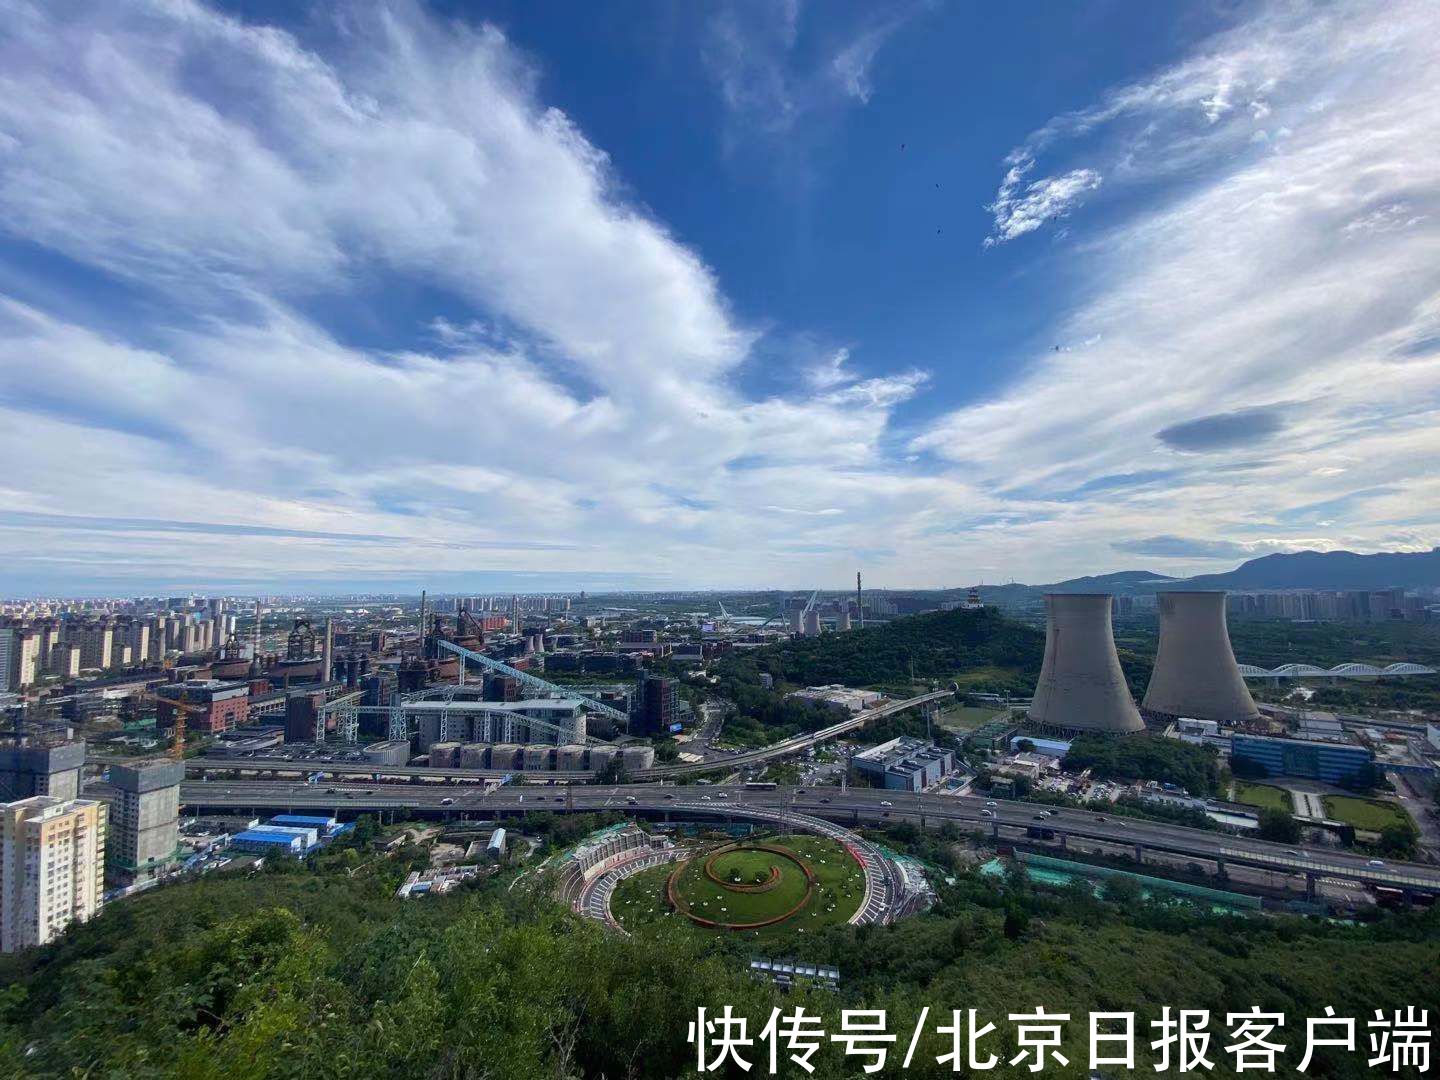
1081,686
1195,673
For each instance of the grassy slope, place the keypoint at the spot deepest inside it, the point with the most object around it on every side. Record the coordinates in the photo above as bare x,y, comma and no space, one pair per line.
1264,796
1368,814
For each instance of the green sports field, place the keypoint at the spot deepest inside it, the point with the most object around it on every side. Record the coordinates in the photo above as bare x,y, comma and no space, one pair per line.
771,885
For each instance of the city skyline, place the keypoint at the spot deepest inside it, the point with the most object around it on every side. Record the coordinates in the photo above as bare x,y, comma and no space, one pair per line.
465,295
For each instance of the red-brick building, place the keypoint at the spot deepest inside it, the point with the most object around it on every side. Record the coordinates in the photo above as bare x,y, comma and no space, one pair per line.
225,705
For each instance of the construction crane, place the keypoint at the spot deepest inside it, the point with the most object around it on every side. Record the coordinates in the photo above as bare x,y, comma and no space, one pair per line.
177,738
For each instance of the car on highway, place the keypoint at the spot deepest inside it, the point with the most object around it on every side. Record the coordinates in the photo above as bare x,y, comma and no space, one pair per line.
987,813
991,803
824,800
704,798
722,795
669,796
631,799
1038,817
446,801
1376,862
886,802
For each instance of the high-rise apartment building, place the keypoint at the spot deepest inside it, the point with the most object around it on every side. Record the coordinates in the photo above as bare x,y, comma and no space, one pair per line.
9,659
52,858
33,767
96,644
144,819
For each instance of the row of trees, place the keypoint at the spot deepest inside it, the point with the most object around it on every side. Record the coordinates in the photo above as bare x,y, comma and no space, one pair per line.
1169,761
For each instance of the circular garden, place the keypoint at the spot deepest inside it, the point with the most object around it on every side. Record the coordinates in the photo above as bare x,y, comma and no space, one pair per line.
758,887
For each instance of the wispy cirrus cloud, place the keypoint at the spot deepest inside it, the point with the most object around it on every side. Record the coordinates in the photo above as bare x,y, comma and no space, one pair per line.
1269,236
1021,206
771,87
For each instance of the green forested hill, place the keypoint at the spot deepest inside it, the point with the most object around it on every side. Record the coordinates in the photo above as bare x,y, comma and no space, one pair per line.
979,647
318,973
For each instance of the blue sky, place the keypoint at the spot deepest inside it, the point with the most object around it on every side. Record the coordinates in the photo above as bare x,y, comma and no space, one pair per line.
745,294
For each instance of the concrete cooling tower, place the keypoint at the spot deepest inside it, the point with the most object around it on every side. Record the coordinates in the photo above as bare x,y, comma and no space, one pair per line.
1195,673
1081,687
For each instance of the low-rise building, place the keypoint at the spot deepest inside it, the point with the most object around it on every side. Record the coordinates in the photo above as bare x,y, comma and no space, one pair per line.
840,698
905,764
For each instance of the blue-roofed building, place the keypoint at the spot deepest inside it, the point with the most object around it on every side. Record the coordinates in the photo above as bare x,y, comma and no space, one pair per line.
268,840
1331,762
1053,747
305,821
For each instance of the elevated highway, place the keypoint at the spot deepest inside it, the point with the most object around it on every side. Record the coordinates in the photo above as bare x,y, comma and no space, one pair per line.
855,807
340,770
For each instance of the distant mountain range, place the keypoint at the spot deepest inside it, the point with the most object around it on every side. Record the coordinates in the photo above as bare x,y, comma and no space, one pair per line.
1297,570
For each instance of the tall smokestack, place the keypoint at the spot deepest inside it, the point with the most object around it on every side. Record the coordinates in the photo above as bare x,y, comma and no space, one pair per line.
255,659
421,650
1081,686
328,661
859,601
1195,672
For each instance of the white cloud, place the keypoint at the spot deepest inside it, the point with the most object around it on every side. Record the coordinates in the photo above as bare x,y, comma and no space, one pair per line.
1021,207
879,393
773,87
580,408
853,62
830,371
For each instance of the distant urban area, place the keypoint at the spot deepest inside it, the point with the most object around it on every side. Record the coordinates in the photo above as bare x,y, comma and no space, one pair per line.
174,736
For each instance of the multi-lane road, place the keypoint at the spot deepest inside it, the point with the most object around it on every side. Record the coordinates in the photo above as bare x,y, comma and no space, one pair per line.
846,807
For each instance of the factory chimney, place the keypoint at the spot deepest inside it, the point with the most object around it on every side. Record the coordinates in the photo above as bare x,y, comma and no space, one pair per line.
859,601
327,664
420,650
1081,687
1195,672
255,666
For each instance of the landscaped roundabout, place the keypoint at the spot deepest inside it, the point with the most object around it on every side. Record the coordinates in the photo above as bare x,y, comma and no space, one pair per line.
759,887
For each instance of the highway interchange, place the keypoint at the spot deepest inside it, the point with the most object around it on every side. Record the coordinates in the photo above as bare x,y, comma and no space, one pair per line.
854,806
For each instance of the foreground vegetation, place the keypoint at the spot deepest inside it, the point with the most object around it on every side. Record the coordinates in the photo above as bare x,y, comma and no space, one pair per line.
318,971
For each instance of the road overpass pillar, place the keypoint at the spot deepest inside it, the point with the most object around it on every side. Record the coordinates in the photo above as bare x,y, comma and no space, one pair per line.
1310,880
995,829
1220,868
1139,853
1064,841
